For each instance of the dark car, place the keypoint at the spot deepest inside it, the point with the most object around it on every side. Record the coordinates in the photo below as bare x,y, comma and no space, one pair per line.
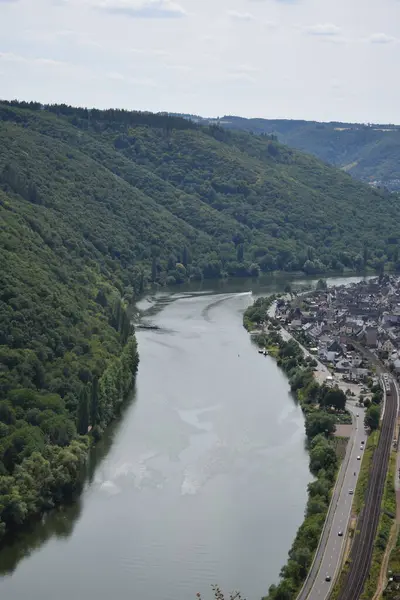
328,578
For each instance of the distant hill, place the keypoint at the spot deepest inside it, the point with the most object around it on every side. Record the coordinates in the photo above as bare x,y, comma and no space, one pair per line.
368,152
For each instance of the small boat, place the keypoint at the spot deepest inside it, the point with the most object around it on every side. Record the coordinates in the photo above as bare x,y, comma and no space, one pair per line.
260,351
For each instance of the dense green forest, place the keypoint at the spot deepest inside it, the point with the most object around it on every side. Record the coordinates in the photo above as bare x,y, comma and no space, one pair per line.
367,152
95,205
164,199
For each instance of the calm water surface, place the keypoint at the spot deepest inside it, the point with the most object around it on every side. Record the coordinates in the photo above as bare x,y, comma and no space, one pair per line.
203,480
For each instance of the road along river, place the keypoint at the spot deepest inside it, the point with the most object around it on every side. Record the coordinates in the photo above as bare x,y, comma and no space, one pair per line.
202,481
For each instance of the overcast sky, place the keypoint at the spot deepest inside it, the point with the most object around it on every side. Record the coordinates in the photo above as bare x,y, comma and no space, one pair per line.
311,59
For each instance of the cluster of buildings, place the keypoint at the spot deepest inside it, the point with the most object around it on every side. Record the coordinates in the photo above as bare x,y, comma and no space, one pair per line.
329,320
392,185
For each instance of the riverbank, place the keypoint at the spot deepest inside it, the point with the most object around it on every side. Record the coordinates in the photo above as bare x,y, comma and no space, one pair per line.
314,399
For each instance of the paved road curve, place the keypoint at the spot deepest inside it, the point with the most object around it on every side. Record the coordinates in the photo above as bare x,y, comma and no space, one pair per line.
328,556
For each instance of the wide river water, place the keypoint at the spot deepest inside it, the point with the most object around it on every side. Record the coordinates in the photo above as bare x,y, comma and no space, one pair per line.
203,480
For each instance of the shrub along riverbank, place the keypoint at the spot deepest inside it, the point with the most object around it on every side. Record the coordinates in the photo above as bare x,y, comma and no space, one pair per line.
316,402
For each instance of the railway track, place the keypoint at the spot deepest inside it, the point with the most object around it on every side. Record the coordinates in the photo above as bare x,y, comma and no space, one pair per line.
361,553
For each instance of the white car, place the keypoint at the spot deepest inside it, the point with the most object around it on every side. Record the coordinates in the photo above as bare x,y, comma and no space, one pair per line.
351,492
358,457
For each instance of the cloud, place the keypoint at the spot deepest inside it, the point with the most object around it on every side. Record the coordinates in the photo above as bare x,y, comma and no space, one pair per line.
143,9
17,58
116,76
60,68
244,69
240,16
240,77
326,29
149,52
381,38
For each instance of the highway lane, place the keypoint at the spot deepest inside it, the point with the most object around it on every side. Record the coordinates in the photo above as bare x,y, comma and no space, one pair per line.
342,511
328,557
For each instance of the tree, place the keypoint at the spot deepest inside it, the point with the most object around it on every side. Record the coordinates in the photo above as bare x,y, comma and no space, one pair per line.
365,253
316,505
377,397
7,413
59,429
21,443
319,422
83,411
334,397
303,557
312,390
185,256
254,270
283,591
154,268
320,487
372,417
322,456
180,273
94,402
240,253
321,284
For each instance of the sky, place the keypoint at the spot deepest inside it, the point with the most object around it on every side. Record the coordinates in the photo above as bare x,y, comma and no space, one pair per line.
310,59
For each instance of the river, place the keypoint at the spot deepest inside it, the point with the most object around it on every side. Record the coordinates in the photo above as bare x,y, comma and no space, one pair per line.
203,480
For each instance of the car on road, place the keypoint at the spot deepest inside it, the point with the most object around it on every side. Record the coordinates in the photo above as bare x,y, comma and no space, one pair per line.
358,415
362,442
358,457
361,447
351,492
328,578
340,533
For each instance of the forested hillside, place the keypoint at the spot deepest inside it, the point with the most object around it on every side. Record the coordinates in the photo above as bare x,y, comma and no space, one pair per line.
370,153
94,205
